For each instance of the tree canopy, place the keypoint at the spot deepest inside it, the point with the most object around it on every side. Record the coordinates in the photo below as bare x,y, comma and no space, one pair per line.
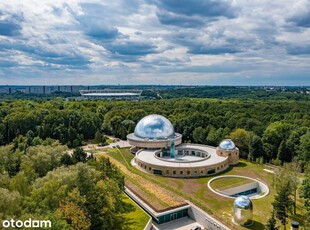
275,129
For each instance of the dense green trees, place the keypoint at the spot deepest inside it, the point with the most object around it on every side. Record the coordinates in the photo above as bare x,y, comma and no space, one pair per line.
304,147
200,135
228,92
282,204
242,138
256,149
40,179
79,195
272,223
275,130
286,182
288,178
100,138
10,202
79,155
273,137
305,191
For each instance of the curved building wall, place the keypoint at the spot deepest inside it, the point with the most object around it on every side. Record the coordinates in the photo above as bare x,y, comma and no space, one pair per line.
233,155
180,171
152,144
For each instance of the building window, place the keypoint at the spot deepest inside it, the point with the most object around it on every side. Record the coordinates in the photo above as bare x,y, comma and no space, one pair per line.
229,154
181,172
144,166
150,168
167,172
188,172
236,153
218,168
201,172
195,172
174,172
211,171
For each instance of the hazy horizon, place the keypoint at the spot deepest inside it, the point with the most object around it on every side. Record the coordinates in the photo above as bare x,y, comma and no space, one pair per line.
156,85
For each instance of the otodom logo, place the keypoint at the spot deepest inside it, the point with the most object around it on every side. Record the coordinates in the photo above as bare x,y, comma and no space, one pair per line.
26,224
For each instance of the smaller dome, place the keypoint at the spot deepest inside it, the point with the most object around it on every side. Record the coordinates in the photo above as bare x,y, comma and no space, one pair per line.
227,144
243,202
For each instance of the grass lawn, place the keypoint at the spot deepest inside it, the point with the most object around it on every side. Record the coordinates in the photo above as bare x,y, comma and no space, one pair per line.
229,182
158,197
136,218
197,191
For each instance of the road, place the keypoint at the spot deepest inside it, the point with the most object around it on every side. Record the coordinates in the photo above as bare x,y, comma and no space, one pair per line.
116,143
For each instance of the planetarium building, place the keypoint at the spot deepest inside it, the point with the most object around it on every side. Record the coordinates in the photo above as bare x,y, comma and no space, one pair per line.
159,150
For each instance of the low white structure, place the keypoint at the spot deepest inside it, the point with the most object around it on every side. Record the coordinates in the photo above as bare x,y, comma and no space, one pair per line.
111,94
255,189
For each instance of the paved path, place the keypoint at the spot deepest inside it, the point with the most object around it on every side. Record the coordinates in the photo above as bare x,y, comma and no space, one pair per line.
116,143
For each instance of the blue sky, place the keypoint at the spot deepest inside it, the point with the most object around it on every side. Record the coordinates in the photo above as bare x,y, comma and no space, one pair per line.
203,42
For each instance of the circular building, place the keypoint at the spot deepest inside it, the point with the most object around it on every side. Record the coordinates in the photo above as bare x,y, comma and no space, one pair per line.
243,211
159,150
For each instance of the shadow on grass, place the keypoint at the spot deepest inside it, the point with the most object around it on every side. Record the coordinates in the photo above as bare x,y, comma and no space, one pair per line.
127,207
256,226
240,165
127,223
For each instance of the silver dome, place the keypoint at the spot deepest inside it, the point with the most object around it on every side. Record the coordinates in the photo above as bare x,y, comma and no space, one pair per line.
154,127
243,211
227,144
243,202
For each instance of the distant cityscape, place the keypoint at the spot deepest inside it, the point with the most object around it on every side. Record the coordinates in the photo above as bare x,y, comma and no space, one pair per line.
43,89
75,89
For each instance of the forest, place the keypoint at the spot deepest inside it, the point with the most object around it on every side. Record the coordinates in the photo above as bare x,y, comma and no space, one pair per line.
274,131
39,179
228,92
43,182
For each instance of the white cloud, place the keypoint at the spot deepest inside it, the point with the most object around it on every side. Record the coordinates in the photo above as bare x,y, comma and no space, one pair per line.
142,41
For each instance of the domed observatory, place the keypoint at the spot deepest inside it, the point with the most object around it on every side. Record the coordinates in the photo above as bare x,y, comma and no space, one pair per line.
154,127
159,150
243,211
227,148
154,131
227,144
